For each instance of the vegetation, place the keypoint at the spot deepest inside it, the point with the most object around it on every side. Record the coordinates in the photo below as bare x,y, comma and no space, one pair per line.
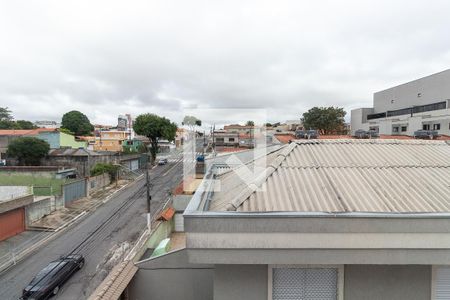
77,122
250,123
28,150
42,184
155,128
7,121
327,120
102,168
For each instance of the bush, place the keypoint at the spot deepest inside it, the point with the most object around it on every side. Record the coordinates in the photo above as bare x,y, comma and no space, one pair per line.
28,150
102,168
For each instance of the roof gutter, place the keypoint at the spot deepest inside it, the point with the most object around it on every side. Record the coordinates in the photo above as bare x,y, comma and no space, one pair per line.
234,214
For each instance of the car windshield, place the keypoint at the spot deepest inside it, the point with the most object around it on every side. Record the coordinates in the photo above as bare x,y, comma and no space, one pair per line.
48,272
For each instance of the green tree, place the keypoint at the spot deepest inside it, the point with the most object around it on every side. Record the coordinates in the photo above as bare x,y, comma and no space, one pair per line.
250,123
102,168
155,128
77,123
28,150
23,124
325,119
5,114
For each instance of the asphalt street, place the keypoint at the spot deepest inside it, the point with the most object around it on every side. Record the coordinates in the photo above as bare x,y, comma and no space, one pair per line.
104,234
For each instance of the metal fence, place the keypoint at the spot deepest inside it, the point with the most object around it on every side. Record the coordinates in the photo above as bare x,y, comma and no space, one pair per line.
74,190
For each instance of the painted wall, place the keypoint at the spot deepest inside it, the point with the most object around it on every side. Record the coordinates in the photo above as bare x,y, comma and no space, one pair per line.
171,277
52,138
372,282
67,140
240,282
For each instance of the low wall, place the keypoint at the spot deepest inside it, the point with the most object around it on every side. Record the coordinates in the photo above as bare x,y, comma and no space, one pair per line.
38,209
98,182
8,205
37,171
8,192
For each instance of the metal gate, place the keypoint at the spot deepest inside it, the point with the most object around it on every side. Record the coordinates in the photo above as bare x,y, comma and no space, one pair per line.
305,284
441,284
11,223
74,190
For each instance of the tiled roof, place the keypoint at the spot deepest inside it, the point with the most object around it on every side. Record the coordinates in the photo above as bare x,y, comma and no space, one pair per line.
388,176
21,132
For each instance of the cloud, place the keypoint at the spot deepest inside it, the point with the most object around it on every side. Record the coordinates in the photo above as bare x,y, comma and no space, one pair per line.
107,58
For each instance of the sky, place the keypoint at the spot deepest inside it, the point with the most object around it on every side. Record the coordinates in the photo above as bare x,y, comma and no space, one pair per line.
107,58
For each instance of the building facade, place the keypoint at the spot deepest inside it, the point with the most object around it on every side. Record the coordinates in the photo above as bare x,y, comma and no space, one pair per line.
422,104
57,139
111,140
325,219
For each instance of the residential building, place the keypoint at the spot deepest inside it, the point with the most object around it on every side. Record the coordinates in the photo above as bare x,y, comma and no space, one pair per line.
422,104
47,124
292,125
57,139
13,200
325,219
236,128
110,140
223,138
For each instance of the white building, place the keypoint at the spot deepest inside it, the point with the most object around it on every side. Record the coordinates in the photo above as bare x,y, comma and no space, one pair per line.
420,104
47,124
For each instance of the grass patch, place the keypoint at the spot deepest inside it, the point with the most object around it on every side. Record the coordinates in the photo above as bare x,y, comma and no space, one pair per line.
42,184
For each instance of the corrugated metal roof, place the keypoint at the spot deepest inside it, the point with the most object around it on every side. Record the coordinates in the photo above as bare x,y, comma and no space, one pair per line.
388,176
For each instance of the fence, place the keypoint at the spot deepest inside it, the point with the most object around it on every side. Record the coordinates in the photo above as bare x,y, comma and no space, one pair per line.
74,190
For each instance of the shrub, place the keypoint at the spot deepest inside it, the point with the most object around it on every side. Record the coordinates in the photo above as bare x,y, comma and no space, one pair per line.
102,168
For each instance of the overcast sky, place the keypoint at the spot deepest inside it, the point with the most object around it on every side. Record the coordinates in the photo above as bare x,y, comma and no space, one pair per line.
106,58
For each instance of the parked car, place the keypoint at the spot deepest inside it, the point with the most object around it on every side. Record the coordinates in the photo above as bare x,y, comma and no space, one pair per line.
162,161
363,134
50,279
300,134
312,134
426,134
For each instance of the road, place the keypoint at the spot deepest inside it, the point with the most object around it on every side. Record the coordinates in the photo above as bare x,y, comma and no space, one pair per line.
104,234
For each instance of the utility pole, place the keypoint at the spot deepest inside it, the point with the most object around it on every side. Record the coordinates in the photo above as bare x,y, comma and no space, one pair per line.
149,198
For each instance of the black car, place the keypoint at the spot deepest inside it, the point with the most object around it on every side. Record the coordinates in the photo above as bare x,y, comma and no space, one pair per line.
49,280
163,161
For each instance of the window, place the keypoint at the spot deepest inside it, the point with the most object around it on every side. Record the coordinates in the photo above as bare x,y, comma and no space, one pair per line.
307,283
395,129
436,126
231,139
440,279
404,128
426,126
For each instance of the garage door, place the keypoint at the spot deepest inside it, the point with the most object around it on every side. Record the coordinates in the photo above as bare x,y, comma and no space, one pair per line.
305,284
12,223
441,284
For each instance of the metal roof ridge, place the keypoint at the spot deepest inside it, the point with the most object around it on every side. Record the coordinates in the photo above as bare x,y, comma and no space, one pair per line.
259,180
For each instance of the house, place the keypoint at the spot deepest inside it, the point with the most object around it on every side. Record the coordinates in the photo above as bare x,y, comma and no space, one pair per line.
222,138
236,128
320,219
47,124
13,200
110,140
58,139
422,104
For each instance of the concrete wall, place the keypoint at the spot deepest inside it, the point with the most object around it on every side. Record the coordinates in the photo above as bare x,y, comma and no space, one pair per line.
7,205
51,137
98,182
171,277
11,192
433,88
371,282
240,282
38,209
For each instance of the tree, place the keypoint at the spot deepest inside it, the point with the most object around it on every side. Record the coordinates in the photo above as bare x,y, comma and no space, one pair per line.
191,121
250,123
268,125
325,119
28,150
23,124
77,122
5,114
155,128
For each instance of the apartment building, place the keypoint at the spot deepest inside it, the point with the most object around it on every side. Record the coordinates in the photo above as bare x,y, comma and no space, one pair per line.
422,104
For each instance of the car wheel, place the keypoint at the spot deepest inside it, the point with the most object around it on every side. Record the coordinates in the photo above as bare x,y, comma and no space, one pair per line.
56,290
80,265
